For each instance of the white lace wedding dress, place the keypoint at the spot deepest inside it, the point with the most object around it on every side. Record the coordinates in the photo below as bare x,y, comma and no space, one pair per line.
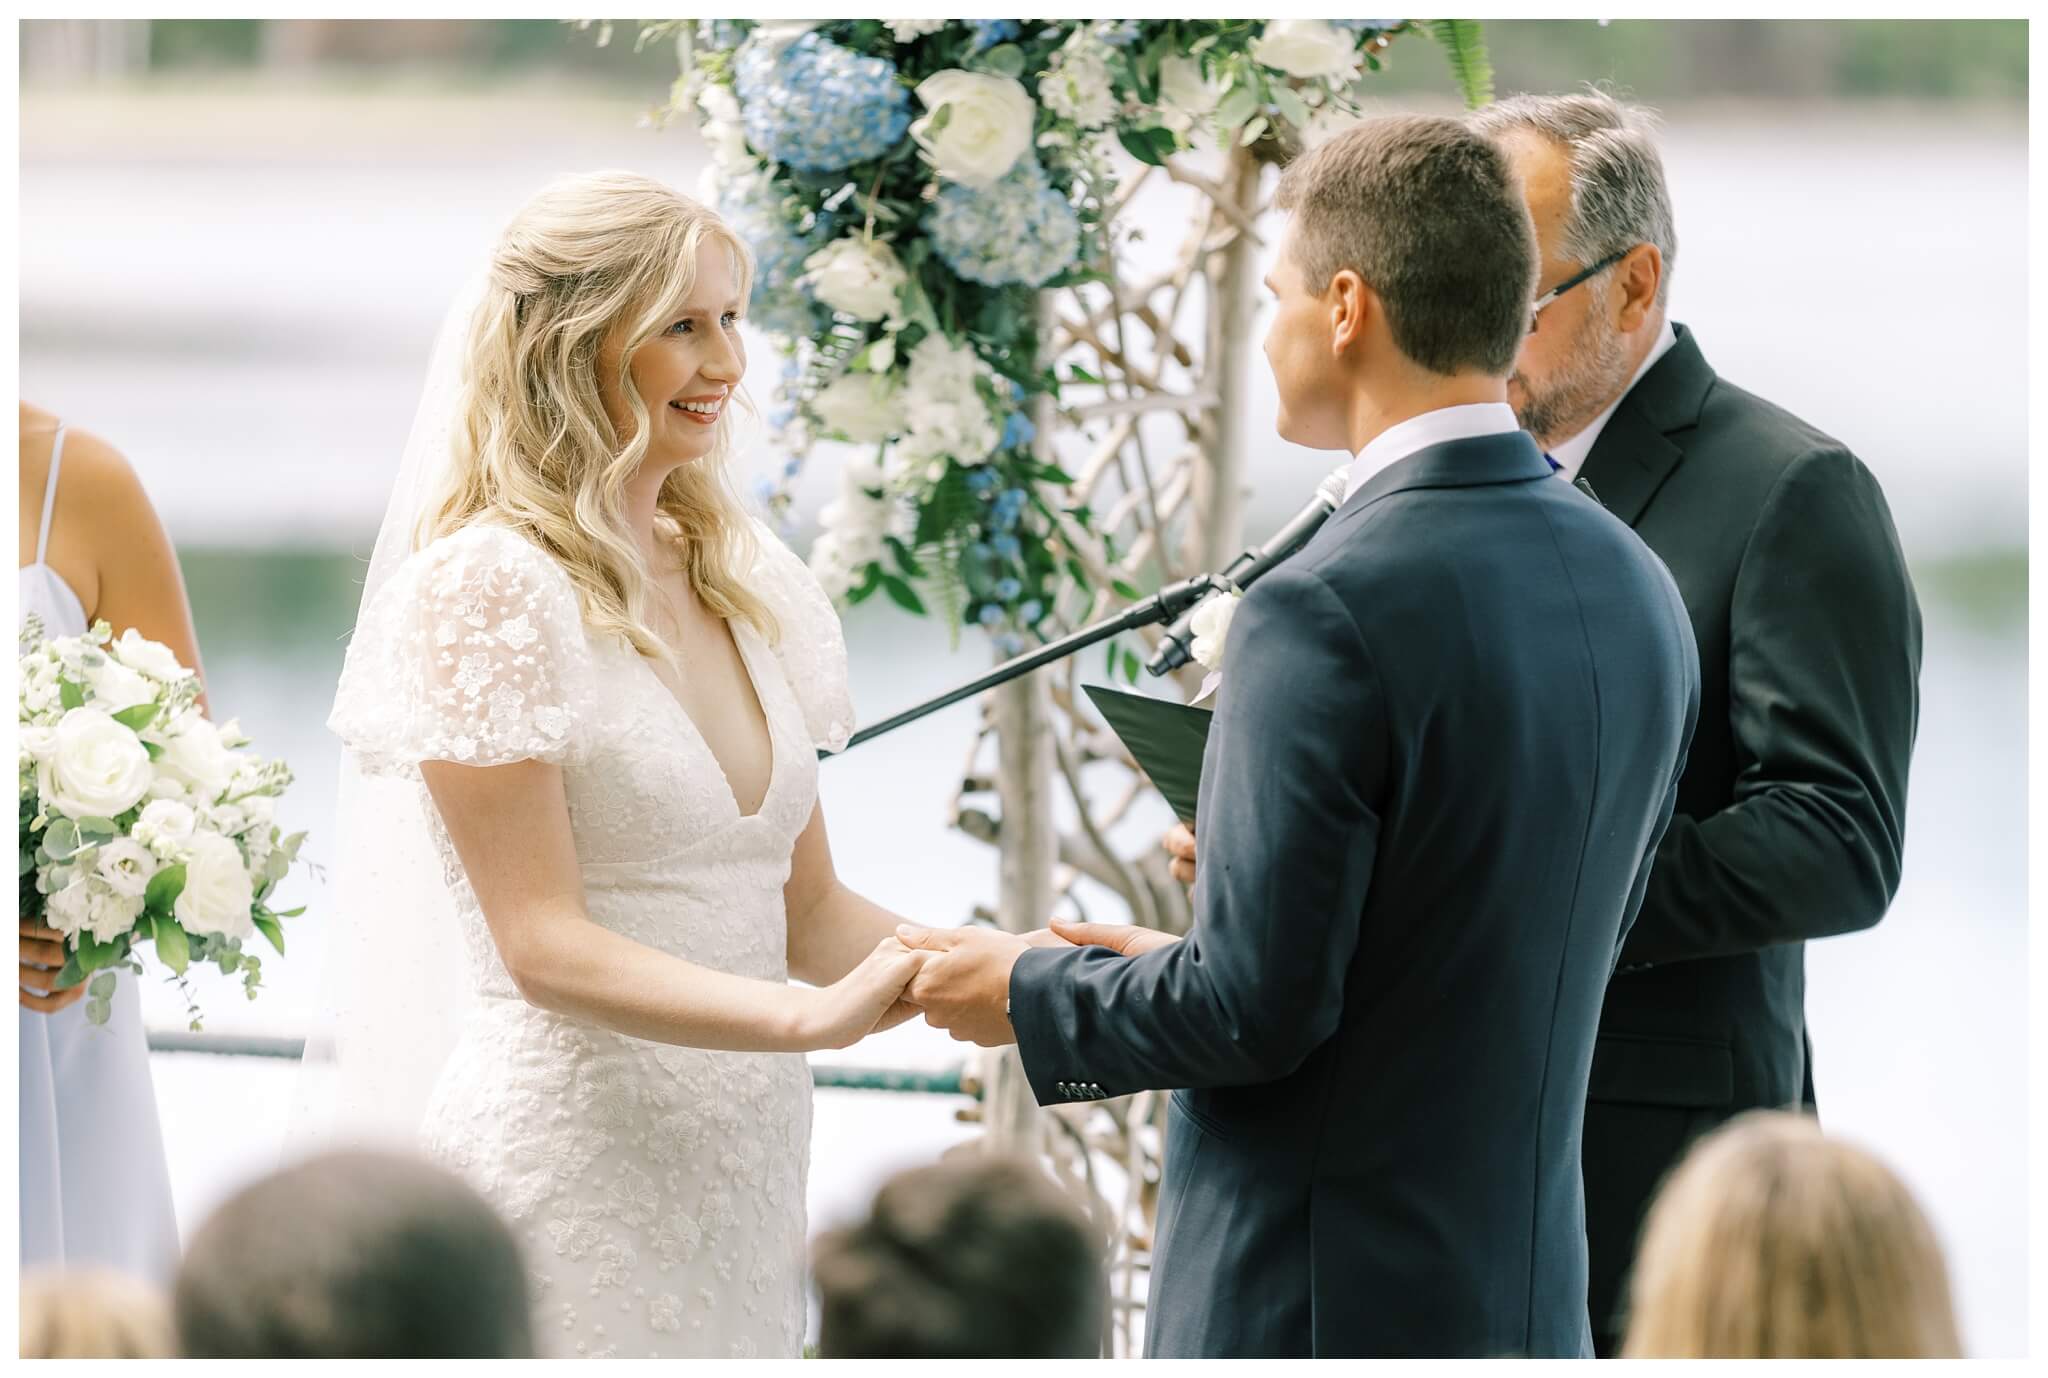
658,1191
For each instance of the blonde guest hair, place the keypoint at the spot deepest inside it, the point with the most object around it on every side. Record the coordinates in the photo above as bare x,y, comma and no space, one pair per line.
1773,1241
589,258
93,1314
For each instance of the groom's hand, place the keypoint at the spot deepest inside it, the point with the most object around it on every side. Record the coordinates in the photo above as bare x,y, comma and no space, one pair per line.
1128,939
1179,843
964,985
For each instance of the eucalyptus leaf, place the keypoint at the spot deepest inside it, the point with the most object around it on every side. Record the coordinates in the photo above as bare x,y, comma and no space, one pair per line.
71,974
98,829
102,986
1292,107
98,1011
1005,59
61,839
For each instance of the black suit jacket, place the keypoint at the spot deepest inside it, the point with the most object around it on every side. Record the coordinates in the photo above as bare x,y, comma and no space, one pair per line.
1791,814
1448,737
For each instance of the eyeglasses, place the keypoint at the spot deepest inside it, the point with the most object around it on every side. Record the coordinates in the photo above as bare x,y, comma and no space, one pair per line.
1536,307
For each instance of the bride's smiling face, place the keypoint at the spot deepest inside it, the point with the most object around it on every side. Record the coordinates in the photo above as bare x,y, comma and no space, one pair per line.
688,373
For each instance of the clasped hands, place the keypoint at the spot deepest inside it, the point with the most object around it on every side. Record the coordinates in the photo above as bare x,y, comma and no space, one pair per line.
962,982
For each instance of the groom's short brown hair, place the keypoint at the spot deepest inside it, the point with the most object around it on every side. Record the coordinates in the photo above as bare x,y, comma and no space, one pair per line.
970,1258
1429,214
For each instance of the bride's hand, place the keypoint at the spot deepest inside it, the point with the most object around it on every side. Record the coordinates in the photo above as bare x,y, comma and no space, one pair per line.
865,999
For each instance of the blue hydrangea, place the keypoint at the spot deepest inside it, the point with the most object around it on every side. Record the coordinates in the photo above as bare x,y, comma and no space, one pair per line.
990,614
1007,546
1008,589
819,107
1019,230
776,304
981,480
989,32
1031,612
722,33
1018,431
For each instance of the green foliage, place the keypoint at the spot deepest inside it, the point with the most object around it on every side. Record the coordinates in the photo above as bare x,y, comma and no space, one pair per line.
1464,45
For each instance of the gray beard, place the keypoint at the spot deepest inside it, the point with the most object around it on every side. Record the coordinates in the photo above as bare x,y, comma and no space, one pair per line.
1585,387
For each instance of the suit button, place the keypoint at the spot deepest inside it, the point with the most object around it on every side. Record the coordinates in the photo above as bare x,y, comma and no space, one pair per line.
1065,1089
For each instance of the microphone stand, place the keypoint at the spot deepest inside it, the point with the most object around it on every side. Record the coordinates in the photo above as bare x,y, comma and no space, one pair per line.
1163,606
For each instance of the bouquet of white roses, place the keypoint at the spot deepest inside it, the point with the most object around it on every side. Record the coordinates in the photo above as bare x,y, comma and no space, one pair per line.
141,821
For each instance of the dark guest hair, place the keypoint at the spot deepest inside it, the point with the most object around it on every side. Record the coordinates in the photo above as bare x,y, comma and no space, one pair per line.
357,1256
1429,214
969,1258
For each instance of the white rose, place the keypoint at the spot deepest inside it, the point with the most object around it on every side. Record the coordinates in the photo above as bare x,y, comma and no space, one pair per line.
111,914
67,910
95,767
196,759
1307,48
151,657
1211,626
126,866
35,742
988,130
857,276
217,894
863,407
115,686
165,826
1185,90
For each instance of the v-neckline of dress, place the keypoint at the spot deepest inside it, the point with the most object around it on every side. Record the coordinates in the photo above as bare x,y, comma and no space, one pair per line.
740,633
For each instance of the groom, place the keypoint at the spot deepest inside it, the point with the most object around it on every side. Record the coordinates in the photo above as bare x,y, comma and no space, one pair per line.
1446,743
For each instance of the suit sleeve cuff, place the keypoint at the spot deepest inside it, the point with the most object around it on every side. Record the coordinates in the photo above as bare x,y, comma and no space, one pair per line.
1042,1017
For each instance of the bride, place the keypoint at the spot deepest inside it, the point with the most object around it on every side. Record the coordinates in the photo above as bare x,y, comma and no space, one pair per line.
595,691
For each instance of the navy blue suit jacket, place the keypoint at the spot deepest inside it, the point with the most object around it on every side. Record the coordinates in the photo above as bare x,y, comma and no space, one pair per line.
1446,744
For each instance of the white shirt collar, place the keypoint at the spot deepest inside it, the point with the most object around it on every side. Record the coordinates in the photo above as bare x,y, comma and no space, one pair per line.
1403,439
1571,454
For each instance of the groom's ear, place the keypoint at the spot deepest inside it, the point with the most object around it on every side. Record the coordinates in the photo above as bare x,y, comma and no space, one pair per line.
1351,304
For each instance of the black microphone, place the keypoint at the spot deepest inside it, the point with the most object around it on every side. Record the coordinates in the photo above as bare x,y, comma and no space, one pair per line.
1176,647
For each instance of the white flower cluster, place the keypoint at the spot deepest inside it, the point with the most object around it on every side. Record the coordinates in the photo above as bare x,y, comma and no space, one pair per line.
137,809
1079,86
943,411
904,30
853,527
857,275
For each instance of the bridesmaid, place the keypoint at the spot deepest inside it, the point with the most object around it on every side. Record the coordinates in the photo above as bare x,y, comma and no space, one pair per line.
94,1187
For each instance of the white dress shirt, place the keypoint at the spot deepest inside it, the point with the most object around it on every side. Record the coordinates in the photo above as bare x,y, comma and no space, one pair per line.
1403,439
1571,454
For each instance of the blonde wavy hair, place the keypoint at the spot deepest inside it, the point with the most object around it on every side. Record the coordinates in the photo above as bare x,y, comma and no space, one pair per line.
588,258
1773,1241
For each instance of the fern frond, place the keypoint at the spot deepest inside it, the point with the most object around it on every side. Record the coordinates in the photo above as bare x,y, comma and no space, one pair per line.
1464,45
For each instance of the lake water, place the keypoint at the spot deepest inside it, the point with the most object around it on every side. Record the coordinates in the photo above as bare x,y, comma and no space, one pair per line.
241,291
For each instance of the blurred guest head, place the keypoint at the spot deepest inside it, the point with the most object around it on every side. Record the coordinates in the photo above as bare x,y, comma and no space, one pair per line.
973,1257
1772,1241
599,375
93,1314
354,1255
1407,264
1595,184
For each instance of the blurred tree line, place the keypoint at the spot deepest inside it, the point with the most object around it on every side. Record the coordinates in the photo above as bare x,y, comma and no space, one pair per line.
1657,60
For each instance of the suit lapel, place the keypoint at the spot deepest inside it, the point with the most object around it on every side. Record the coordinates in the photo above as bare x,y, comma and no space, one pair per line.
1644,440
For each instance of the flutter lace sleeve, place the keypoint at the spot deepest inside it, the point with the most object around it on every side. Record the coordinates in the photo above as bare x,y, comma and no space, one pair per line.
812,646
473,652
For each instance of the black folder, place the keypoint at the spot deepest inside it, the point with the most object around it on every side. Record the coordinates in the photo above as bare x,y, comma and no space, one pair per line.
1167,740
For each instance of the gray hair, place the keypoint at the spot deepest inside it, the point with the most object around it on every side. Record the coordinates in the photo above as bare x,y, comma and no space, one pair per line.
1619,198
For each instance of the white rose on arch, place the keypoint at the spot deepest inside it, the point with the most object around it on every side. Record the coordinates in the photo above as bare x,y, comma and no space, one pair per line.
986,130
1308,48
861,277
865,408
